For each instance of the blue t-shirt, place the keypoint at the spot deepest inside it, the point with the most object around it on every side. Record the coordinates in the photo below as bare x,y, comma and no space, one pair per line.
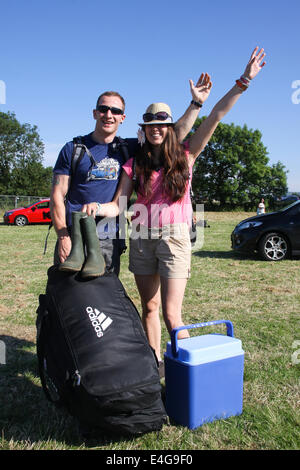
90,183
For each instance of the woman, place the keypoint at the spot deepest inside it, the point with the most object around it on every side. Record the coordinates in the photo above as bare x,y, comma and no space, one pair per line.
261,207
160,250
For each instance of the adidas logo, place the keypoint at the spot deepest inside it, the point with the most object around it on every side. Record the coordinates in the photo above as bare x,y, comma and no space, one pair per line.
99,320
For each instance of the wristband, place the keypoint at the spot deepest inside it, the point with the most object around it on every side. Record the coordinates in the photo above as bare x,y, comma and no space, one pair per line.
248,80
98,210
241,85
197,103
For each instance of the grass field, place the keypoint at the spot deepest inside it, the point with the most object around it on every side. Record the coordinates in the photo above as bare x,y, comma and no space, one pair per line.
262,299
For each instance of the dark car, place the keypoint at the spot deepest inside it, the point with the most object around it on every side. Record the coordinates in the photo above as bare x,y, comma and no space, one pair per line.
39,212
286,201
275,236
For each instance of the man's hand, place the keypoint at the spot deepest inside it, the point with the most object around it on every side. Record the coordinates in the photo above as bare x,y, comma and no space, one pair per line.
200,91
64,248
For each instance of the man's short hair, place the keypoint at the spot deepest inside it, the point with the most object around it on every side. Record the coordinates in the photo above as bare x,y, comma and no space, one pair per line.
111,93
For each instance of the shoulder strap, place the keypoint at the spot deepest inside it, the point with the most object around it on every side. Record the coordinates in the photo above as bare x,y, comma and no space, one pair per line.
133,169
191,191
124,145
78,152
79,149
46,239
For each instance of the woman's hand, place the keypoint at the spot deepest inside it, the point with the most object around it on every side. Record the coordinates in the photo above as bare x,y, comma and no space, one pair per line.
255,63
90,209
201,90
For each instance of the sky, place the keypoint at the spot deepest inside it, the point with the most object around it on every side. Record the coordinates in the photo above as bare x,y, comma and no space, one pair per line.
58,56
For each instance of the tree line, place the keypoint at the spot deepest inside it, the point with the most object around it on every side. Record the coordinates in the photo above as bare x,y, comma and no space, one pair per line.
21,159
233,170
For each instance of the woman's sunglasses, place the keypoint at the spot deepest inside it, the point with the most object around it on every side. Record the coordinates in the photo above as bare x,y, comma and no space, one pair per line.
160,116
103,109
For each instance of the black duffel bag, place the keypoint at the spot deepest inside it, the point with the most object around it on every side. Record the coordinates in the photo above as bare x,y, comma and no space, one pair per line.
94,357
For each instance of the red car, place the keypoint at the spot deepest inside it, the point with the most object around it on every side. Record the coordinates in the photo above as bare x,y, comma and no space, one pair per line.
39,212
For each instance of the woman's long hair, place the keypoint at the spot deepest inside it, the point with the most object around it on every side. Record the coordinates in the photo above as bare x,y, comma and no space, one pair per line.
174,162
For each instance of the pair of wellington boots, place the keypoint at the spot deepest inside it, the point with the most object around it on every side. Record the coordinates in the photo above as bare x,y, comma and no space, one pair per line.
85,255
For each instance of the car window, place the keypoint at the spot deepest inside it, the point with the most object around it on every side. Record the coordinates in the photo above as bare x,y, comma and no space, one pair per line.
295,210
296,203
43,205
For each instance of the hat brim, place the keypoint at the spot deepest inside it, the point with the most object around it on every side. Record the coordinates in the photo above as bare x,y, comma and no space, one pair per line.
167,121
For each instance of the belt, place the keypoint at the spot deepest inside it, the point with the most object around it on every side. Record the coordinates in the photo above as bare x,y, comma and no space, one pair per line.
160,232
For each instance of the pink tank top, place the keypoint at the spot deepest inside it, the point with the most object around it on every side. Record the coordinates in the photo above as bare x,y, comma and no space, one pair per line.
160,210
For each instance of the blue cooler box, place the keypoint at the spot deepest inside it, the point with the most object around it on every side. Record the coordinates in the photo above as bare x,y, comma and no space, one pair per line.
204,376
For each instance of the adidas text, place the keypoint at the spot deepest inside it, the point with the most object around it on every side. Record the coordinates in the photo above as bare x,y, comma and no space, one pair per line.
99,320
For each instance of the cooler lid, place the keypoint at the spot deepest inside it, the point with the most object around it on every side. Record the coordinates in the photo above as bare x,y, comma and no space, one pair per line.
205,348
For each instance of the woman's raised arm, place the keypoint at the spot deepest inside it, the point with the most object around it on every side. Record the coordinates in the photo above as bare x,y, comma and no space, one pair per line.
200,92
204,132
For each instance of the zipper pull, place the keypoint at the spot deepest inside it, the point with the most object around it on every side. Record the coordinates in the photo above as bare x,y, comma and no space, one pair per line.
76,379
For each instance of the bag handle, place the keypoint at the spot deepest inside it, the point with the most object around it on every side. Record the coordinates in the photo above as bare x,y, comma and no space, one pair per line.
174,339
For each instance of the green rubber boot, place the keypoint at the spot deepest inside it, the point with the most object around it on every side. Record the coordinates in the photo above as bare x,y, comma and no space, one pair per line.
94,265
76,257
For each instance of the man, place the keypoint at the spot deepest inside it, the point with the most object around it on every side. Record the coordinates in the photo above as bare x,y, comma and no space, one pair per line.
70,193
80,188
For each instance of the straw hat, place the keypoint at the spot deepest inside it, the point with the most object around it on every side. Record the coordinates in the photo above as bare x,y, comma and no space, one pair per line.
155,108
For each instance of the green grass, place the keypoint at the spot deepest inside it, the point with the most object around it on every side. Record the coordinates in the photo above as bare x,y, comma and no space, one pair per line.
262,300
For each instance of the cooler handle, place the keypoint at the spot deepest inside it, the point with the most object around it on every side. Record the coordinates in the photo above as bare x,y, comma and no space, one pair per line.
174,340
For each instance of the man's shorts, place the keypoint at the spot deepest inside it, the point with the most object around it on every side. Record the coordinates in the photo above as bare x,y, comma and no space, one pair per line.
165,251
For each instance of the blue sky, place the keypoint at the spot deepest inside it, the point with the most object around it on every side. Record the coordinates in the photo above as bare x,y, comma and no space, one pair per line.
58,56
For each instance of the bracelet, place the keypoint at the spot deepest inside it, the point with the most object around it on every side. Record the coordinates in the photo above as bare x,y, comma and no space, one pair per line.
98,210
248,80
241,85
244,81
197,103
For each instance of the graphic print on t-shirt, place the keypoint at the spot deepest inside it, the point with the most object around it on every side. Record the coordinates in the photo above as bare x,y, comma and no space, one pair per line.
106,169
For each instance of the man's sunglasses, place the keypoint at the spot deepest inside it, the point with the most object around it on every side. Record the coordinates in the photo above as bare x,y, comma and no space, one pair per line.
160,116
103,109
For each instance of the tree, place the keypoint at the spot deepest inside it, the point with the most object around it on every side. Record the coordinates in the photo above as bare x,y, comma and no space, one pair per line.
21,156
31,179
233,169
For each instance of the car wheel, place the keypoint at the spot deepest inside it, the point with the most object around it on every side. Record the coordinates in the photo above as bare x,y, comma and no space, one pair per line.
273,247
21,220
